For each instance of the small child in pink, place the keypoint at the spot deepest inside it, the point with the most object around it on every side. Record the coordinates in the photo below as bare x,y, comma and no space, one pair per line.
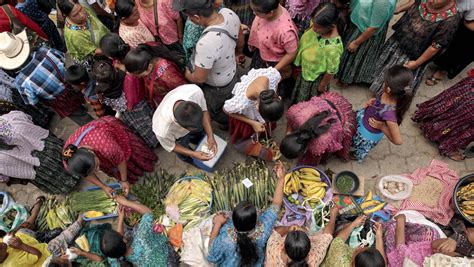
273,37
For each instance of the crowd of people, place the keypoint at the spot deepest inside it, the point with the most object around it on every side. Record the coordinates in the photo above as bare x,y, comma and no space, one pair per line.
165,73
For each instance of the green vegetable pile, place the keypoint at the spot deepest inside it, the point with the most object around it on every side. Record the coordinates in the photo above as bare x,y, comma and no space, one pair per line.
55,214
344,184
228,189
96,200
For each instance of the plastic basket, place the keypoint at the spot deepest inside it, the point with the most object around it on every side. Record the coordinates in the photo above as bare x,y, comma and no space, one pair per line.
324,178
106,216
463,181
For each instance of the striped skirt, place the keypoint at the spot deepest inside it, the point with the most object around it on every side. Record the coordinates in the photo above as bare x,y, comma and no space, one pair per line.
304,90
40,113
51,176
359,67
139,121
390,56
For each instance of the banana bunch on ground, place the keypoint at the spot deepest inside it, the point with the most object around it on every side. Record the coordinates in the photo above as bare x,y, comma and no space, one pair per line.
465,198
370,205
308,183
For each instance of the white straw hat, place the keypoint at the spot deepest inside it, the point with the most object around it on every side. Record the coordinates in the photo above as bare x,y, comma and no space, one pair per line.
14,50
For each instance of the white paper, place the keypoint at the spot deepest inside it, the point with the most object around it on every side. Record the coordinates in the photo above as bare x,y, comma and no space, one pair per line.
247,183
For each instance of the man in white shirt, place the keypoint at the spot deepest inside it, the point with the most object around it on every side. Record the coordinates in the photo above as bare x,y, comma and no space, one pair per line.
182,118
214,64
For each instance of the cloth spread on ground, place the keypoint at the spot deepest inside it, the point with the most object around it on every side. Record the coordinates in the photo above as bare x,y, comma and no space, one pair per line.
443,212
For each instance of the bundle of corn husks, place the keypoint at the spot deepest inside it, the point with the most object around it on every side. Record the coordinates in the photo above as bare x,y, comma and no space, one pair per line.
93,200
55,214
229,190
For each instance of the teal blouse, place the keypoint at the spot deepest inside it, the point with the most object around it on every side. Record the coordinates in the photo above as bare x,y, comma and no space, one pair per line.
372,13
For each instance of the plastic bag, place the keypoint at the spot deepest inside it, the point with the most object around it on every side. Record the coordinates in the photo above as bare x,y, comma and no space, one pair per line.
175,235
396,178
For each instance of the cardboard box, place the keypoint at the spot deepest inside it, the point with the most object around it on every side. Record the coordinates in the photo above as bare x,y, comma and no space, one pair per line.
210,164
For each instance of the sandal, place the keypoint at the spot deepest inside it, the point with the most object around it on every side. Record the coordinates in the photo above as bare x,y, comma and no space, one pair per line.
456,156
432,81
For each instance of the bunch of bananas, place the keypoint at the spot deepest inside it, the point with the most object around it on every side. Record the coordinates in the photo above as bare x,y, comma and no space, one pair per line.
307,182
465,198
370,205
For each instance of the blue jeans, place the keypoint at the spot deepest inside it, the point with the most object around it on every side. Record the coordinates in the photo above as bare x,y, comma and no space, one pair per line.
190,138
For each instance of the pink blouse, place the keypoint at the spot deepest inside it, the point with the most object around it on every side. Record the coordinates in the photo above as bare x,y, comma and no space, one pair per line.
135,35
274,38
167,17
165,77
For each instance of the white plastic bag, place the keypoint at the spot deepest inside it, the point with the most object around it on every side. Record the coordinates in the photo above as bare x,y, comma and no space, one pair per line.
396,178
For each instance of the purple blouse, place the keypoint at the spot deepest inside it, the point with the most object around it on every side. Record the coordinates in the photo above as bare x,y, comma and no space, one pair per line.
380,112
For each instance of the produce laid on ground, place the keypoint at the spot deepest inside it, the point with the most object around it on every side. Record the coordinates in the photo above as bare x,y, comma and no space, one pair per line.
465,199
345,184
229,189
370,205
93,200
305,185
188,201
55,214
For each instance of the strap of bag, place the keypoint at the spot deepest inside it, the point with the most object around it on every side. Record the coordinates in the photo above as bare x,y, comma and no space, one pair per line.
83,134
155,15
15,23
219,30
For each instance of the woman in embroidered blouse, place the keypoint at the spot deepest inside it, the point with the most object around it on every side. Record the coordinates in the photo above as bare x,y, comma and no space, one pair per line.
241,240
82,32
31,154
159,67
425,29
118,91
364,39
290,246
319,52
132,30
254,104
107,144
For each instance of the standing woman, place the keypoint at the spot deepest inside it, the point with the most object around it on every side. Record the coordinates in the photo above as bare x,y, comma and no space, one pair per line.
107,144
424,30
364,39
254,104
319,52
159,68
132,30
124,96
31,154
82,32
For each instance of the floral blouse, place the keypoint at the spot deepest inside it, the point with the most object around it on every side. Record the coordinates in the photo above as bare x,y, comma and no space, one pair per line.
148,247
319,245
318,55
222,251
339,254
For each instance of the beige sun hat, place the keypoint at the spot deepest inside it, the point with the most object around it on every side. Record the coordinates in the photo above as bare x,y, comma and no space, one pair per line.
14,50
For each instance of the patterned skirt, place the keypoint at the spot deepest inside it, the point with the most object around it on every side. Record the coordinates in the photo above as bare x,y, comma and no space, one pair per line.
363,141
448,118
51,176
139,120
40,113
66,103
304,90
359,67
390,56
242,9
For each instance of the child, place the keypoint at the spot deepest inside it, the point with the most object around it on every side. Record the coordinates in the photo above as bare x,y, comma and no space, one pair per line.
273,37
319,52
383,115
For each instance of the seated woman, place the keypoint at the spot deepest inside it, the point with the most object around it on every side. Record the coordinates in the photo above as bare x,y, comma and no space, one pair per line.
147,247
319,127
254,105
159,67
31,154
124,96
342,255
241,240
460,240
107,144
292,246
82,32
132,30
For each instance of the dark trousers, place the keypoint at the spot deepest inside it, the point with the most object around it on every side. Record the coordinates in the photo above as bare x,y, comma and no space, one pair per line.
215,98
185,141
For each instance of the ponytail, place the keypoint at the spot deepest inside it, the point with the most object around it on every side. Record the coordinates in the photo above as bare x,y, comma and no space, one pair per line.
80,161
294,145
327,15
297,247
399,80
138,60
270,106
244,218
247,250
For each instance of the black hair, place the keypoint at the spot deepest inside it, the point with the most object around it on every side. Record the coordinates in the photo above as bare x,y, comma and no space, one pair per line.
124,8
327,15
65,6
112,244
297,247
109,81
104,71
138,60
188,114
270,106
80,161
369,258
205,12
5,146
113,46
399,79
244,218
76,75
265,6
294,145
2,233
